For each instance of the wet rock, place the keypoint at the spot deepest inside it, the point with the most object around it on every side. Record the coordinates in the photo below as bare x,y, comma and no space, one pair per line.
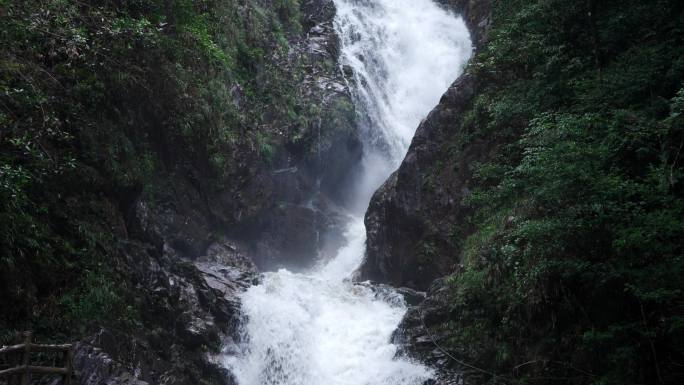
227,272
316,12
190,307
408,222
230,255
477,16
412,297
419,336
403,295
94,367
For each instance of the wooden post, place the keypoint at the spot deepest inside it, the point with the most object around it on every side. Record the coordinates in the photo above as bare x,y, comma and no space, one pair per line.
26,359
68,363
14,359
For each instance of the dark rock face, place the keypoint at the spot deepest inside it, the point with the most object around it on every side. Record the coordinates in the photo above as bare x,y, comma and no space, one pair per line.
404,244
191,307
419,340
93,366
278,210
191,251
410,218
317,12
288,208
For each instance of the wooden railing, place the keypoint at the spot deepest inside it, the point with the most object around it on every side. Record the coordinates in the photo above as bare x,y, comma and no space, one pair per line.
25,369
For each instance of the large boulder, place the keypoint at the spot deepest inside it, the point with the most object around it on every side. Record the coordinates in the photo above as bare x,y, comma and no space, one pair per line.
410,220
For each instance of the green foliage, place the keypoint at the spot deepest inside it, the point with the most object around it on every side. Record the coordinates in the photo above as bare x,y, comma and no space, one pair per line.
92,96
288,14
574,269
98,299
266,149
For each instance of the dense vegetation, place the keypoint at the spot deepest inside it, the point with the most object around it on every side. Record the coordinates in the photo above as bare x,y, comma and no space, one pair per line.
573,273
572,255
104,101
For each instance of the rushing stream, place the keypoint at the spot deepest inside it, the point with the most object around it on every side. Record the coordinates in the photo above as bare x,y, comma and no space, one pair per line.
318,327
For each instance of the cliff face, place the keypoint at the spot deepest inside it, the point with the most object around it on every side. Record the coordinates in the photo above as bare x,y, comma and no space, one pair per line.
411,218
287,204
292,149
150,154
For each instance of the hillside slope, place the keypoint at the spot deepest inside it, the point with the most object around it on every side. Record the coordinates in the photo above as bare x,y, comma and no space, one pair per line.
546,188
149,151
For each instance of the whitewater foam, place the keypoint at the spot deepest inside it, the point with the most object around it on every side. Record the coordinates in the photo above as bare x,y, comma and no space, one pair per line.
318,327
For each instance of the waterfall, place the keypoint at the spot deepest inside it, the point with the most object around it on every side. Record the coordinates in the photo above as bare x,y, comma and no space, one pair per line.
319,327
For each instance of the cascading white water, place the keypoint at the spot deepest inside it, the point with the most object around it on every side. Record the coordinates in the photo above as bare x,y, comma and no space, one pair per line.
318,327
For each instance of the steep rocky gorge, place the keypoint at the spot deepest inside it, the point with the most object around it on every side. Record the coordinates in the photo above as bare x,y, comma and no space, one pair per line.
186,186
180,186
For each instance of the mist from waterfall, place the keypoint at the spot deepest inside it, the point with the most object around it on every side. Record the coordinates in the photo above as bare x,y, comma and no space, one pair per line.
319,327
